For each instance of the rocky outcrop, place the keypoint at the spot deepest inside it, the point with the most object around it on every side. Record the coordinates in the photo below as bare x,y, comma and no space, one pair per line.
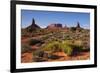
33,26
78,28
78,25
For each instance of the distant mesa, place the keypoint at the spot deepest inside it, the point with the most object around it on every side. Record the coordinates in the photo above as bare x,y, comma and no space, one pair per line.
51,26
33,26
58,25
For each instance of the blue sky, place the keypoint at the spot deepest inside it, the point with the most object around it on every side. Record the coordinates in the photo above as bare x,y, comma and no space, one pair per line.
44,18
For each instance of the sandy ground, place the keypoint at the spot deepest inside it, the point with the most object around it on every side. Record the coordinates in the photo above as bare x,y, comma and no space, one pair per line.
28,57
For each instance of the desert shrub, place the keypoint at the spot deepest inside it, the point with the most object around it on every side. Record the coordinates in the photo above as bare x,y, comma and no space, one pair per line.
78,43
57,46
25,48
45,37
25,35
86,46
73,28
34,41
52,46
38,53
31,29
69,47
66,48
76,49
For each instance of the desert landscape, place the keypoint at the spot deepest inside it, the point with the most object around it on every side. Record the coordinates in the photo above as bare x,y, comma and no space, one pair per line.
55,42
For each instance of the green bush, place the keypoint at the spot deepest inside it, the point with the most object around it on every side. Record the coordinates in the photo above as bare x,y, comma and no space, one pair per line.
56,46
52,46
73,28
38,53
76,49
66,48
